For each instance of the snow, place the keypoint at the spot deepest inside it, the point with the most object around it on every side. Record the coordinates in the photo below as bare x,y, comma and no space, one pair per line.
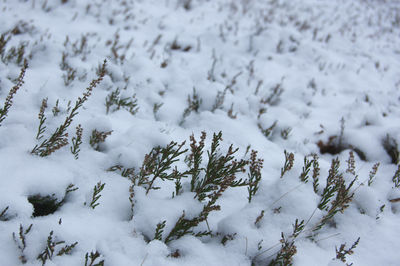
333,60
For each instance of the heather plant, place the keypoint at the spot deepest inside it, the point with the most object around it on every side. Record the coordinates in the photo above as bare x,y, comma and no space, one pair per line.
306,170
76,142
21,241
98,188
289,162
336,196
59,138
9,100
342,252
267,131
50,249
396,177
115,102
194,102
372,173
288,248
97,138
210,176
90,259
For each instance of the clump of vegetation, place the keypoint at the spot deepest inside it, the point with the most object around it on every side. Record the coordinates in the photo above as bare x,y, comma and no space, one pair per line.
209,177
59,138
90,259
342,252
288,247
115,102
50,249
97,138
336,196
289,162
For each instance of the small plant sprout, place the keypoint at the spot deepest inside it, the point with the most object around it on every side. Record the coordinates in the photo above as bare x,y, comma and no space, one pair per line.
76,142
59,138
285,133
98,188
396,177
289,162
159,230
351,164
254,174
315,174
3,214
98,137
259,218
90,259
42,119
115,102
194,159
219,100
50,249
342,252
268,131
306,170
194,102
9,100
21,241
288,247
372,174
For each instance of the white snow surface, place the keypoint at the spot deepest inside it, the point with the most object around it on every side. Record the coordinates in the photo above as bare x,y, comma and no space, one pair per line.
335,60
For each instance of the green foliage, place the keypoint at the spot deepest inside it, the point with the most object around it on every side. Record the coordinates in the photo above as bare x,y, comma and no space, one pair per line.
21,241
396,177
335,185
9,100
219,169
159,230
315,174
115,102
289,162
288,249
306,170
208,181
50,249
59,138
42,120
158,164
93,256
98,188
194,159
76,142
255,166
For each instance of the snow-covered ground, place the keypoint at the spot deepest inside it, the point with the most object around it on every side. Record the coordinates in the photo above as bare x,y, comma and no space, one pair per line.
301,76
